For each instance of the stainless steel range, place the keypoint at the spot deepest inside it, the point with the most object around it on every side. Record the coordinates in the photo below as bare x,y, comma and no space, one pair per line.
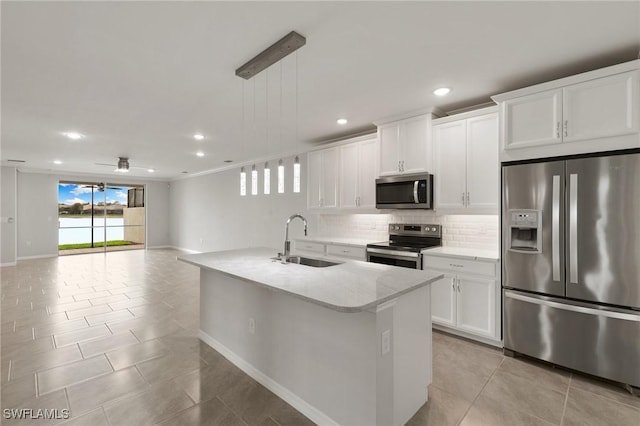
406,244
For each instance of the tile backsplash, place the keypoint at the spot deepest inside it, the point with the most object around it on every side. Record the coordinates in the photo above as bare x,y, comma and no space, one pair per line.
477,231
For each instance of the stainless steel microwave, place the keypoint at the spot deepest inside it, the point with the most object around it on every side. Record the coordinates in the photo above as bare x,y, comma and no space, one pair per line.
414,191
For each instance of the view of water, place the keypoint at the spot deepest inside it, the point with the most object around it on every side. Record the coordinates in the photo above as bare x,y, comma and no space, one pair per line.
78,230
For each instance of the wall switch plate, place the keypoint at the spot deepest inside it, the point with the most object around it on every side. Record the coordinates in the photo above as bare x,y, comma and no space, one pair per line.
386,342
252,325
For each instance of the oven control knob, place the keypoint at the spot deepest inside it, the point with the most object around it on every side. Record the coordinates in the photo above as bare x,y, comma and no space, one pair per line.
397,228
433,229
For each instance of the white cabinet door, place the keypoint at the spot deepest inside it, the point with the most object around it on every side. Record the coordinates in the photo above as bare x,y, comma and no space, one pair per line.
413,145
449,171
483,167
314,176
476,305
329,178
602,107
349,165
389,136
443,301
532,120
367,172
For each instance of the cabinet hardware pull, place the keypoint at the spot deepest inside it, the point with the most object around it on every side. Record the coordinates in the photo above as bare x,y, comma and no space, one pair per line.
566,128
453,283
463,198
458,285
468,202
557,130
453,265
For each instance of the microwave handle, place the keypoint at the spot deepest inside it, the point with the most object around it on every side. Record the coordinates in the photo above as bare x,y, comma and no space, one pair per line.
415,192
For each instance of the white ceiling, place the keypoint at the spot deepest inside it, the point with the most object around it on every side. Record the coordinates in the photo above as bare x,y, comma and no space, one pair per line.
138,79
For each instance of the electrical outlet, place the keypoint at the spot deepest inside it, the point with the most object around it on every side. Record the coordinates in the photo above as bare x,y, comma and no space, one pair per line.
386,342
252,325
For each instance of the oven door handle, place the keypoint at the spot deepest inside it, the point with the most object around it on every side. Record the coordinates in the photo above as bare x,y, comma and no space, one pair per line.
415,192
394,254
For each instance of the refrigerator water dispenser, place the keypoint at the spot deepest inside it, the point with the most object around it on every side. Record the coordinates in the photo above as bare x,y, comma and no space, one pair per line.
526,231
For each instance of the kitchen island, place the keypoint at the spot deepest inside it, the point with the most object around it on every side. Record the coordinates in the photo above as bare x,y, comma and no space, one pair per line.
345,344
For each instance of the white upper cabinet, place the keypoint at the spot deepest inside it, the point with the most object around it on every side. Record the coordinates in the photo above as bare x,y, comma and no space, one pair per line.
598,110
389,136
483,167
532,120
601,108
466,166
322,181
358,168
450,147
404,146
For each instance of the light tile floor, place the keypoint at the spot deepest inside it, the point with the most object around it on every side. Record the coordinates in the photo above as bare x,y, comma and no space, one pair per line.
113,338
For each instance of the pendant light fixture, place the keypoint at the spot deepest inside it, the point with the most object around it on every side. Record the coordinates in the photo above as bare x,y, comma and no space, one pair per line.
296,175
243,182
280,177
254,180
274,53
267,178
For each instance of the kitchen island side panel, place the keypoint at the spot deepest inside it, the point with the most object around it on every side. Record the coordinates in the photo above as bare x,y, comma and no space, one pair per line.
327,364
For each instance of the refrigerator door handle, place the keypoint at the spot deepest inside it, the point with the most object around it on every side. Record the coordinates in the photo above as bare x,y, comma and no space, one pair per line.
555,229
573,228
617,314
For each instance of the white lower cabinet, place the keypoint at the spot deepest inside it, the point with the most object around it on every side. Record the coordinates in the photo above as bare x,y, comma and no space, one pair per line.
466,300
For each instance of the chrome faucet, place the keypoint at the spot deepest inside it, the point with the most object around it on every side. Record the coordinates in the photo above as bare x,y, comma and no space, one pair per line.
287,244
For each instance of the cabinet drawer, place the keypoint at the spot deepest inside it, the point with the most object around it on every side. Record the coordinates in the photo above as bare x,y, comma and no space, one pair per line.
309,246
346,251
462,266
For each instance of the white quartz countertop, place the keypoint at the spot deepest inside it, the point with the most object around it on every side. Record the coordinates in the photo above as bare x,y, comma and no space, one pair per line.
352,286
464,252
337,240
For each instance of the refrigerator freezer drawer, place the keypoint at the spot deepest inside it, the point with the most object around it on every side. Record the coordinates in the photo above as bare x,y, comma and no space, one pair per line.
583,337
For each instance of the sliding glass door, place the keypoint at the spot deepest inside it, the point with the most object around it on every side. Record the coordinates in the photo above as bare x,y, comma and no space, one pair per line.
98,217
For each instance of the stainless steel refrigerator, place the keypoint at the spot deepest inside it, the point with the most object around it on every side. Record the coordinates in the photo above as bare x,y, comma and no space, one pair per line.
571,263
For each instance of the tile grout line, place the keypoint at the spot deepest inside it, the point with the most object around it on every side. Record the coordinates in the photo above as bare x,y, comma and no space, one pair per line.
566,400
480,393
9,373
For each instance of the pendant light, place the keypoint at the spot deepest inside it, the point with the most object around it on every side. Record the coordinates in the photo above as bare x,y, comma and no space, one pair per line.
296,174
254,180
243,182
280,177
267,178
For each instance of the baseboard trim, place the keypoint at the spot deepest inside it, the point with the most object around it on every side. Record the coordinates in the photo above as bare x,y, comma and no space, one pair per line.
2,265
485,340
292,399
186,250
40,256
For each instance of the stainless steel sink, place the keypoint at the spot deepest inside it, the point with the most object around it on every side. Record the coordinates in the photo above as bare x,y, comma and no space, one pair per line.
309,261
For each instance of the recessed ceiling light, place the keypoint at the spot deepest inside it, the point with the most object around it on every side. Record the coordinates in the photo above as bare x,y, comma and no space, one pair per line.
73,135
341,121
57,162
151,170
441,91
200,154
198,136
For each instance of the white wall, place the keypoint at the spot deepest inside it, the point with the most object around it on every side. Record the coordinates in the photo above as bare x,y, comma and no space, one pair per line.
157,208
37,211
207,212
8,216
